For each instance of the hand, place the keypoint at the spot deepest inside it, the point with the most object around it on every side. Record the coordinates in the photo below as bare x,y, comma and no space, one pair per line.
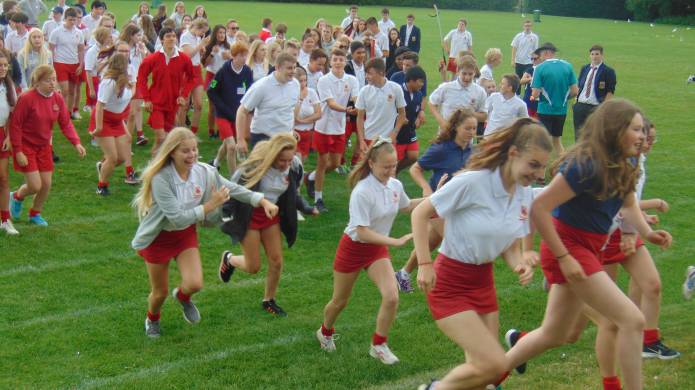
78,71
81,152
627,244
96,131
92,94
363,146
218,197
21,159
651,219
531,258
663,206
402,240
241,148
181,101
351,111
571,269
426,277
271,210
525,272
441,182
6,145
660,237
426,192
148,106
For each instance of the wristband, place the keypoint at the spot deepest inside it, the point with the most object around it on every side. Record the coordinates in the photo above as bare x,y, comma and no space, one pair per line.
425,263
566,254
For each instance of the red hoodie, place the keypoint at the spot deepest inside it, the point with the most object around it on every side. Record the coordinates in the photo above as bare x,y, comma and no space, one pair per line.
33,117
169,81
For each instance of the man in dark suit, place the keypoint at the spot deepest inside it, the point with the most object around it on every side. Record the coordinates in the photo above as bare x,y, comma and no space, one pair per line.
596,84
410,34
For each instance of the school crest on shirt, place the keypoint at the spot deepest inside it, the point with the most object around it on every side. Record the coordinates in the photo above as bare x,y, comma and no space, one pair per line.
55,107
523,216
197,191
389,98
396,196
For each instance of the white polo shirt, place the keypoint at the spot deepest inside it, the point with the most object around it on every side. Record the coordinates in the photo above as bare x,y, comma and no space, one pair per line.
306,108
382,41
525,45
341,90
49,26
312,78
385,26
217,60
15,42
91,23
360,74
381,108
481,219
108,94
459,41
375,205
503,112
303,58
452,95
273,103
190,39
66,43
485,73
4,107
90,60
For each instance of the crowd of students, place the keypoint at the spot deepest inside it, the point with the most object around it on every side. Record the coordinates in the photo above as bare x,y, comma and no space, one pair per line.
274,100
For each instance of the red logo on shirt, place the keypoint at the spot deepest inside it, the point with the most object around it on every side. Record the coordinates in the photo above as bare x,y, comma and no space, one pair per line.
390,98
395,197
524,214
197,191
55,107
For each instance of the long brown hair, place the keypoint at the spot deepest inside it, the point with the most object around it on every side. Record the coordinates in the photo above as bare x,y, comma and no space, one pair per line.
362,169
523,134
455,120
118,71
600,147
213,42
9,84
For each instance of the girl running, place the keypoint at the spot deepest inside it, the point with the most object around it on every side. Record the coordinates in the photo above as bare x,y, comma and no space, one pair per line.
33,54
177,192
192,43
376,198
133,36
215,54
8,99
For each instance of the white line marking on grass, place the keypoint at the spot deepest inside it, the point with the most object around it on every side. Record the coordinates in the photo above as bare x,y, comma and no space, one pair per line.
28,268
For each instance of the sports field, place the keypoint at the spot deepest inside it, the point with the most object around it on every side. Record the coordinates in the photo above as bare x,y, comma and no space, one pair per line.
74,294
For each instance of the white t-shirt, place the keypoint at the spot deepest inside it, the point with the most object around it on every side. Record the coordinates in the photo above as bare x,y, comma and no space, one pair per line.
217,60
274,183
375,205
459,41
49,26
382,42
381,108
341,90
66,43
306,109
190,39
452,95
480,219
90,60
303,58
15,42
273,103
312,78
485,73
503,112
4,108
525,45
385,26
360,74
91,23
258,71
108,94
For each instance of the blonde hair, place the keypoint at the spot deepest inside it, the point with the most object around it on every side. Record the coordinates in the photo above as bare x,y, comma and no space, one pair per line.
118,71
251,60
101,34
492,55
362,169
41,72
143,200
272,52
241,36
44,53
263,156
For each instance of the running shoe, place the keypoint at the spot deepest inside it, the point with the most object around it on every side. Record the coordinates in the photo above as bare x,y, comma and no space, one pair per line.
226,268
310,187
511,338
403,279
15,207
382,353
56,158
190,312
659,350
152,328
38,220
688,285
273,308
320,206
141,141
132,179
103,191
327,342
8,228
94,143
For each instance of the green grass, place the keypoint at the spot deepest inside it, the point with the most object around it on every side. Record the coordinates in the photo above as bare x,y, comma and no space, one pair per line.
74,295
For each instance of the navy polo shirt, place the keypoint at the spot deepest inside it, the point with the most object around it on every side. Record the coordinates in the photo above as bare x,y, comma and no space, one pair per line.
399,78
446,157
413,105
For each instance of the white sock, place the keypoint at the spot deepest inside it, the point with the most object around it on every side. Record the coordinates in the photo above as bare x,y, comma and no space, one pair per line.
404,272
312,175
318,196
216,162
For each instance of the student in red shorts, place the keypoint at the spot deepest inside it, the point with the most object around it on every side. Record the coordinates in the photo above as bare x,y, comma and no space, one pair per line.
67,45
193,44
8,99
31,133
306,112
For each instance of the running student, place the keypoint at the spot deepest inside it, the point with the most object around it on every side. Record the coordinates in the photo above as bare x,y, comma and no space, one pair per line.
8,99
456,41
177,192
376,198
336,90
172,81
214,56
595,178
225,92
31,133
103,40
459,93
67,45
133,37
447,155
486,214
407,146
107,120
192,43
504,107
306,113
273,169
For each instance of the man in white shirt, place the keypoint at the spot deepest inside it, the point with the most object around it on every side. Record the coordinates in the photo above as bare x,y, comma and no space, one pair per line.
385,24
91,20
348,19
32,9
459,93
15,39
192,43
380,39
232,28
504,107
456,41
67,45
523,45
53,23
272,99
315,67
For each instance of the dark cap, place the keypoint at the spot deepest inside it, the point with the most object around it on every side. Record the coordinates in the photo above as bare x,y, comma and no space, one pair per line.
58,10
545,47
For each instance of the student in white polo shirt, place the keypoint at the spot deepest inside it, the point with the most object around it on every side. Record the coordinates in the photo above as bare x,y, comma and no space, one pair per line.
336,89
456,41
192,43
315,67
504,107
376,199
386,24
486,215
54,22
381,40
67,45
91,20
461,92
272,99
523,46
380,106
15,39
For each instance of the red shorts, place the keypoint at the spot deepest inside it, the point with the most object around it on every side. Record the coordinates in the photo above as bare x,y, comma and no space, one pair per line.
197,77
113,124
584,246
611,253
401,149
533,113
168,245
66,72
162,119
5,153
39,158
92,102
451,65
352,256
260,221
305,140
327,143
350,129
209,76
461,287
226,128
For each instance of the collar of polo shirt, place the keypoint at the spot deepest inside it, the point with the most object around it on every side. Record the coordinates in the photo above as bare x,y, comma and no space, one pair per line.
498,190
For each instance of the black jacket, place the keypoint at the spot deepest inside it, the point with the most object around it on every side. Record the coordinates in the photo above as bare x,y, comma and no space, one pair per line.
414,42
604,81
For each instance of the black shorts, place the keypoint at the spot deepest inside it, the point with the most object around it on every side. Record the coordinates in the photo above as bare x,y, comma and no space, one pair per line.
553,123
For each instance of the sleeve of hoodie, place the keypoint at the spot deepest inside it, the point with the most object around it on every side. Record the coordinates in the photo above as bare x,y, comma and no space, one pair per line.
165,198
240,193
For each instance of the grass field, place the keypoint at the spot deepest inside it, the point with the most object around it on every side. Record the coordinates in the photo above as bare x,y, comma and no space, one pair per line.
74,294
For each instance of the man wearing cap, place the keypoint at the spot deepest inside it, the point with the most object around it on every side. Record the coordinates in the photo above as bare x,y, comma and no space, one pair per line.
410,34
596,83
53,23
554,83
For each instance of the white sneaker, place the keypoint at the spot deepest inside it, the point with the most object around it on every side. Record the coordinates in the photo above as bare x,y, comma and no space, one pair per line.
9,228
383,353
327,342
76,115
300,217
689,284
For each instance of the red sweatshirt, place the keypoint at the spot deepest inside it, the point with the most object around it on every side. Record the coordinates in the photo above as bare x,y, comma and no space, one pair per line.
33,117
169,81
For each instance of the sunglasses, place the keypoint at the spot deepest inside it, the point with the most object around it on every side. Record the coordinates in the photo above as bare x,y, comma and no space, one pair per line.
234,28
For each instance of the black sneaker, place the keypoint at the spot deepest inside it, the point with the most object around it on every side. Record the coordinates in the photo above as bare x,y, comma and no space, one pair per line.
320,206
310,187
273,308
103,191
56,159
659,350
226,269
512,337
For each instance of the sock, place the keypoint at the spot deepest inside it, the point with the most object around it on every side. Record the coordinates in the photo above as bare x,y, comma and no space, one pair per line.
318,196
327,332
140,133
182,297
75,109
312,175
152,317
103,184
194,129
16,197
33,213
651,336
129,170
378,339
611,383
502,378
4,215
